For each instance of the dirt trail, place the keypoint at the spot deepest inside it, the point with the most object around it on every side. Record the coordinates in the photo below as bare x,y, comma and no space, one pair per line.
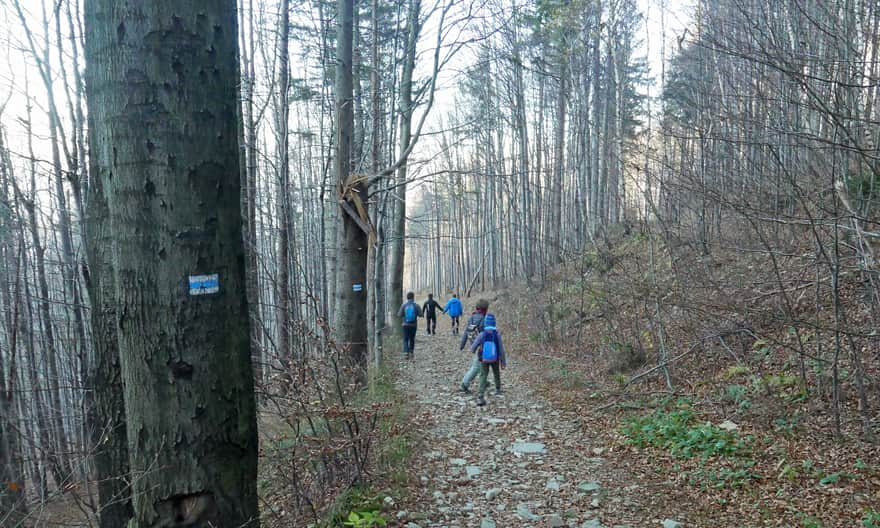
475,466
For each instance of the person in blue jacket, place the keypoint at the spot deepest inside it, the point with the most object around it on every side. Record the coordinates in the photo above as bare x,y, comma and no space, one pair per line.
454,310
490,351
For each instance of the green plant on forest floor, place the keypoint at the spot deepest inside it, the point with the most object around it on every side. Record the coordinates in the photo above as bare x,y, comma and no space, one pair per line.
725,477
678,432
365,519
738,395
675,428
871,519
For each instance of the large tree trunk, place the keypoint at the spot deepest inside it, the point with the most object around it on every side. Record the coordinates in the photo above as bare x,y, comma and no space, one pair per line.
352,242
162,81
107,415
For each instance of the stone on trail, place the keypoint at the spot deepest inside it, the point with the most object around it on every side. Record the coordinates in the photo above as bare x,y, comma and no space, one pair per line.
589,487
458,461
492,493
529,448
487,522
593,523
522,509
473,471
412,525
552,484
669,523
727,425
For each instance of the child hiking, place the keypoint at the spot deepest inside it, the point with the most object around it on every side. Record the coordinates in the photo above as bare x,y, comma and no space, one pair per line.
488,347
454,310
430,310
473,327
410,313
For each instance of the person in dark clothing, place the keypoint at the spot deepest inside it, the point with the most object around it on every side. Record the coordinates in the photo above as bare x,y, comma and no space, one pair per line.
474,327
410,313
430,310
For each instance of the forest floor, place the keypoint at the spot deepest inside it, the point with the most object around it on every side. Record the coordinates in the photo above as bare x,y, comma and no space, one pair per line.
680,463
474,466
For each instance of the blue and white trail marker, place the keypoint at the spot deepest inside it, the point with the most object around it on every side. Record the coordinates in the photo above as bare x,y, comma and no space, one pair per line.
357,287
204,284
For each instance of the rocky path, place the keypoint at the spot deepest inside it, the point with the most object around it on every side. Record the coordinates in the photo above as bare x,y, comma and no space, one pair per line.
516,462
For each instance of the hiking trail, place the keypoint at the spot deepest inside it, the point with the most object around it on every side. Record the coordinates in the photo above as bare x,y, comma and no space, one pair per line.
516,462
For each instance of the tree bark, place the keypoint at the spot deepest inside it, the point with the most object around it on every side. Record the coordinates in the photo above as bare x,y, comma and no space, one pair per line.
351,277
107,415
162,82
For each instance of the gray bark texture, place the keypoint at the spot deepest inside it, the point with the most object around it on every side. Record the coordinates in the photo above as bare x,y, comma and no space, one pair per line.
162,84
106,415
351,303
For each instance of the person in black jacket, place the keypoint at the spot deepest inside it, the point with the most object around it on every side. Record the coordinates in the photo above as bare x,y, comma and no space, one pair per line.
430,310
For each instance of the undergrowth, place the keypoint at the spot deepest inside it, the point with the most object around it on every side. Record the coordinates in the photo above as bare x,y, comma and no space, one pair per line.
366,505
712,325
678,431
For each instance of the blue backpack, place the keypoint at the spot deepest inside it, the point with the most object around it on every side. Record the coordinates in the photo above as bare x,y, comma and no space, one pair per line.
410,312
489,353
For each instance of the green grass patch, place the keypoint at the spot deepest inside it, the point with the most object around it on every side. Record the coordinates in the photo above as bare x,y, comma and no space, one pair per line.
871,519
725,456
679,432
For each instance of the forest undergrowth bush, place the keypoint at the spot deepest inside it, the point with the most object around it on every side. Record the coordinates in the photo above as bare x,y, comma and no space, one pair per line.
746,337
326,440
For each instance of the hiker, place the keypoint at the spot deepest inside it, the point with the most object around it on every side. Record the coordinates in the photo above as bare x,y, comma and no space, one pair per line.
430,310
489,349
454,310
472,329
410,313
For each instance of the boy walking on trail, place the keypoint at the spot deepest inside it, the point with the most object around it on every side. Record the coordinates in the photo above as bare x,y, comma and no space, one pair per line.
473,328
430,309
410,313
488,347
454,310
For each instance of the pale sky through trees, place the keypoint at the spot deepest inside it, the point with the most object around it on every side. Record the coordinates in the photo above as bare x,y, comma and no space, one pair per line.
16,65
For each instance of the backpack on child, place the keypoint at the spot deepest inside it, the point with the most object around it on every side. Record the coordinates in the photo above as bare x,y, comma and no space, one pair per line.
474,326
489,350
